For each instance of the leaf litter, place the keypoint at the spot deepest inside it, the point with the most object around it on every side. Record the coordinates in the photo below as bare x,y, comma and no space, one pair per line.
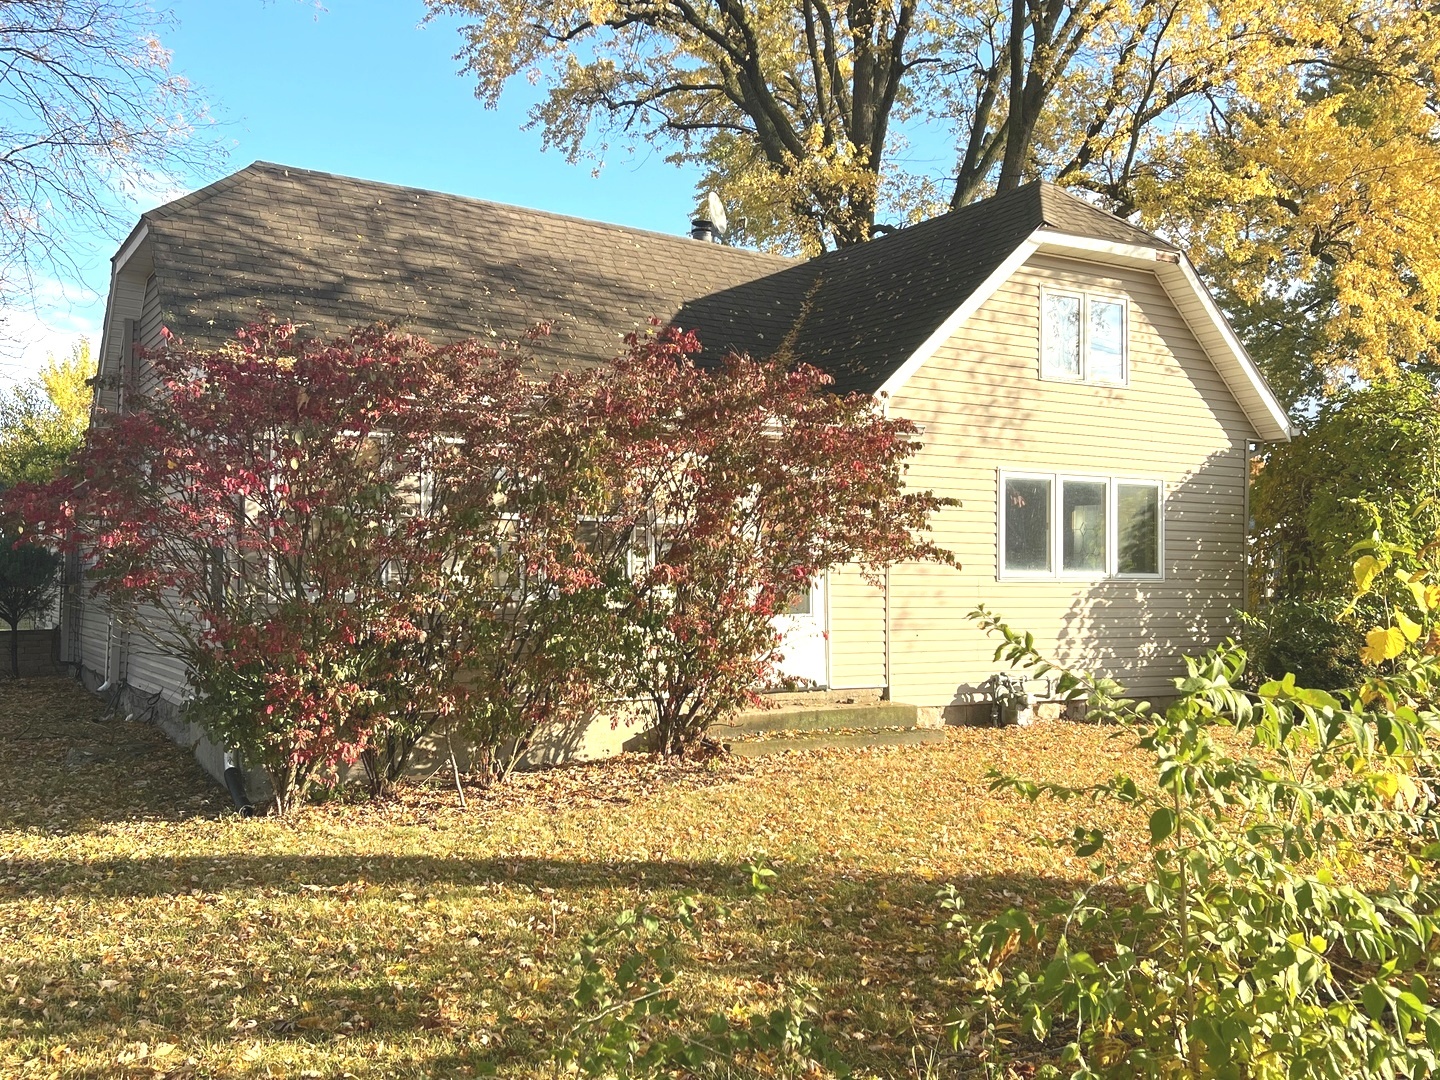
147,931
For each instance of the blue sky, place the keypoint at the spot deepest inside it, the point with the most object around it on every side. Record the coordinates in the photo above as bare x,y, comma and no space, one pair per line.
359,87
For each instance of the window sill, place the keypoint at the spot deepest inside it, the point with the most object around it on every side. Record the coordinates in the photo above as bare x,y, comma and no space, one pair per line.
1066,380
1077,578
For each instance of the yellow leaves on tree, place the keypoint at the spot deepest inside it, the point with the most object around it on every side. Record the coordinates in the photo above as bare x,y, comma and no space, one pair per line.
1388,643
1366,568
1315,194
1288,144
43,419
1381,645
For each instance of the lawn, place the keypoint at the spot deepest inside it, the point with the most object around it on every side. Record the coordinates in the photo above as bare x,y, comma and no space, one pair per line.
145,930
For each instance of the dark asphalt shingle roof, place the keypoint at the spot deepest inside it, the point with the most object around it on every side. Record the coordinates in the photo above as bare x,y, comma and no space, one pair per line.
331,252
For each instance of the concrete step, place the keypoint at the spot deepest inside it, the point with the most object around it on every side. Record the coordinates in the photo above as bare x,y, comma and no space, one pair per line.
840,740
880,714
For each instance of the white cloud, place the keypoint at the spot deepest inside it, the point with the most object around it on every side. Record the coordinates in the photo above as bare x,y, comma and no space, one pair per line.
58,316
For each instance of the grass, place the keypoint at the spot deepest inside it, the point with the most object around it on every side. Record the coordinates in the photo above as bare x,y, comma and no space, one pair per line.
147,931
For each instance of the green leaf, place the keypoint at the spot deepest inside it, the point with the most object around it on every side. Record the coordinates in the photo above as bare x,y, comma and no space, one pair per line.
1162,825
1317,698
1374,1000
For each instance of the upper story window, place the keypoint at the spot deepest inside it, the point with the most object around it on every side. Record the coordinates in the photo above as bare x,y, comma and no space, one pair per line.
1083,337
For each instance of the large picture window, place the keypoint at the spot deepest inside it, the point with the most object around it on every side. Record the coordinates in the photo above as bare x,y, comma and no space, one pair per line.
1083,337
1055,525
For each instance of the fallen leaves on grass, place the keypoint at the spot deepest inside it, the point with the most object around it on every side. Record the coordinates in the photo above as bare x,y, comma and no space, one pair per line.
414,938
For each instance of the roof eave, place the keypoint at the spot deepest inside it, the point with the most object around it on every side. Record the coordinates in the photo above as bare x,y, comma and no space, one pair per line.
1200,312
131,245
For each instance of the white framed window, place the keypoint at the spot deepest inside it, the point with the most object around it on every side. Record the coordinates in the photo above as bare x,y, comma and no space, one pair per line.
1139,528
1084,337
1068,525
1026,531
1083,525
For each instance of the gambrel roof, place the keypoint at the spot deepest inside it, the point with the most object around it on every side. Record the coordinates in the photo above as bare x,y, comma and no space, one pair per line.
331,252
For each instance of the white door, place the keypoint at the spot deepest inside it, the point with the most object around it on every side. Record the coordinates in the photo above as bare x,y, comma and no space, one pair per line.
805,656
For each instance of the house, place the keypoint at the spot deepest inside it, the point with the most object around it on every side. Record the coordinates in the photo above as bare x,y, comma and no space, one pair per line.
1079,391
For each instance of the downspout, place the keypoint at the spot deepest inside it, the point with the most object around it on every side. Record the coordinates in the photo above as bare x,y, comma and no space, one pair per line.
1245,597
109,637
885,598
885,636
235,783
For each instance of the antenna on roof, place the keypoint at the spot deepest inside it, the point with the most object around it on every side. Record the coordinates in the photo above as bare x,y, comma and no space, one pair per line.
709,224
717,212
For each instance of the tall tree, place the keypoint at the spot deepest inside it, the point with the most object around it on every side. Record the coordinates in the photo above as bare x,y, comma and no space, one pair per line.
1367,458
1313,216
798,109
29,583
90,113
1289,145
43,419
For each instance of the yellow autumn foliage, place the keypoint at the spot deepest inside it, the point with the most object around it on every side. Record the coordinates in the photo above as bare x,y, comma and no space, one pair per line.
1382,644
1289,145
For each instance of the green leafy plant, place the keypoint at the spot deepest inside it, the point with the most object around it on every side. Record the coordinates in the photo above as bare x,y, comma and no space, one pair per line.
1247,940
1368,453
632,1017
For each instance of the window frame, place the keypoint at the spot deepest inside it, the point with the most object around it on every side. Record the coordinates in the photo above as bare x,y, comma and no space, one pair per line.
1085,296
1138,481
1057,480
1057,526
1021,474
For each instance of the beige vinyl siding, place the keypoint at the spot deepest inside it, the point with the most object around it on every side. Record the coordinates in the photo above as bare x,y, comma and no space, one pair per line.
127,299
150,669
985,408
857,651
97,638
135,303
94,632
150,336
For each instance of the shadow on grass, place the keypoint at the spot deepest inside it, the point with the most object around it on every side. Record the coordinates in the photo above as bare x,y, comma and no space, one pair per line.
393,964
65,767
298,875
458,963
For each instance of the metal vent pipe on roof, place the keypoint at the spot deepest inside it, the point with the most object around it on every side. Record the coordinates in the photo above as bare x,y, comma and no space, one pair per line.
703,229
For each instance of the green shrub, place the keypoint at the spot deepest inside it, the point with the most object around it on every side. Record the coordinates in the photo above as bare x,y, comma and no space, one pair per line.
1243,943
1370,452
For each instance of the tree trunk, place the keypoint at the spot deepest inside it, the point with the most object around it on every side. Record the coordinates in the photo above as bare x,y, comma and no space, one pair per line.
1017,127
15,650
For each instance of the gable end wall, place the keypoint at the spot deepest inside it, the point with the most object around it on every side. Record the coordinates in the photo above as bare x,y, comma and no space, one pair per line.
984,408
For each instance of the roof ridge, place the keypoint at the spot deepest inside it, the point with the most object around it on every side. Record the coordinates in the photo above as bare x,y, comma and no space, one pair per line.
199,195
724,250
1053,190
936,222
